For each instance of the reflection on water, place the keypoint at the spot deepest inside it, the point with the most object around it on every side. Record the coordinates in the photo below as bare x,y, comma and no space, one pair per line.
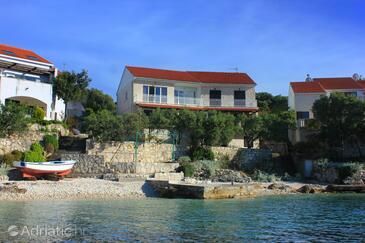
282,218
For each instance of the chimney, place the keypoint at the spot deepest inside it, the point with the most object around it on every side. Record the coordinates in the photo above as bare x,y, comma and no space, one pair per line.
308,78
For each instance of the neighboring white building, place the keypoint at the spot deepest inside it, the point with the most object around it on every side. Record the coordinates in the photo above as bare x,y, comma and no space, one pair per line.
26,77
302,95
149,88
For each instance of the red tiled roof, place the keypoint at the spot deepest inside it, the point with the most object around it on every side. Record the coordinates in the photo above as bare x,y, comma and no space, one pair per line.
203,77
248,109
306,87
361,83
338,83
319,85
21,53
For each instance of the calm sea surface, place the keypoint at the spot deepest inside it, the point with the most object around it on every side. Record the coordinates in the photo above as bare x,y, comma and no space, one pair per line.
302,218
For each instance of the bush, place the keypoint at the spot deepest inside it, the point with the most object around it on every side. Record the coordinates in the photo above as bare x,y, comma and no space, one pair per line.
13,119
39,114
35,154
51,140
188,169
346,170
183,159
261,176
202,153
9,158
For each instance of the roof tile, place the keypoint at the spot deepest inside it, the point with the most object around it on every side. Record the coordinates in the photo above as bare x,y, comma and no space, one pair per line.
21,53
189,76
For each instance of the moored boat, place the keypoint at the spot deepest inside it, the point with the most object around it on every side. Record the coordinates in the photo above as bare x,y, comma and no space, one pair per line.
38,169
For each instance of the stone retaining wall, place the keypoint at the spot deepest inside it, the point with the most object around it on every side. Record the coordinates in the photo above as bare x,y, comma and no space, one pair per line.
247,159
231,152
125,152
22,142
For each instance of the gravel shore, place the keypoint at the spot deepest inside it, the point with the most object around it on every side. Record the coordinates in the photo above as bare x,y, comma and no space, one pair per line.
80,188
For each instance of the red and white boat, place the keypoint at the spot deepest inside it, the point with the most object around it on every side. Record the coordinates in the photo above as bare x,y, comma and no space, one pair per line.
37,169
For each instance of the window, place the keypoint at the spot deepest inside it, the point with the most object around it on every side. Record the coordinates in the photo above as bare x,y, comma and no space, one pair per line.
126,95
33,58
6,52
239,95
302,114
239,98
215,98
154,94
185,96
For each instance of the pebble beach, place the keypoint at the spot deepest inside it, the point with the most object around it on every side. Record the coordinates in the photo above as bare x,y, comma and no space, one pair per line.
75,188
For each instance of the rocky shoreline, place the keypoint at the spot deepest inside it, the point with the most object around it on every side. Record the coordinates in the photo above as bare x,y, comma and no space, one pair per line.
89,188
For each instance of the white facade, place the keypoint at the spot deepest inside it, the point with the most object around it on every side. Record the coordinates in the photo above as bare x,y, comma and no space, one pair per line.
30,83
133,92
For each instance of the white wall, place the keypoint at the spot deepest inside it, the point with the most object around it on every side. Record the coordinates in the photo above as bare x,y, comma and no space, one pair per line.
125,88
43,92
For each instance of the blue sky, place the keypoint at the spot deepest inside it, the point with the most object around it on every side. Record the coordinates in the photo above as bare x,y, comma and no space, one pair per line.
274,41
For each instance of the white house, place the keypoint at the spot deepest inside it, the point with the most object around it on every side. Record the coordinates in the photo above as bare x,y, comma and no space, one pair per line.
26,77
149,88
303,94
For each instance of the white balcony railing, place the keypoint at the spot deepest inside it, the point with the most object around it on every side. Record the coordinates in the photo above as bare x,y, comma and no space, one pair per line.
160,99
189,101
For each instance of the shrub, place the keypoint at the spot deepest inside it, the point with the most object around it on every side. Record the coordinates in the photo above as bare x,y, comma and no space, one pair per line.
51,140
39,114
9,158
13,119
346,170
188,169
35,154
202,153
49,148
261,176
183,159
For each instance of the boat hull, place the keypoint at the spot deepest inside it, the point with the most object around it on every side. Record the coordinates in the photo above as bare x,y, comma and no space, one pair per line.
38,169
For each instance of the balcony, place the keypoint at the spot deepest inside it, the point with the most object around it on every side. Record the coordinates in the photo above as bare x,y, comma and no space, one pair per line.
158,99
198,102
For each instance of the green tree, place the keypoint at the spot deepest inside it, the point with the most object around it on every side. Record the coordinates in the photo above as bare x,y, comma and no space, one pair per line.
340,119
252,127
13,119
161,119
273,104
71,86
133,123
276,125
97,100
104,126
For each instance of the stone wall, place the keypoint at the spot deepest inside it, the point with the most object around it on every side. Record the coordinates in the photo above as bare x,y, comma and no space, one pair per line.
225,151
22,142
125,152
247,159
90,165
95,166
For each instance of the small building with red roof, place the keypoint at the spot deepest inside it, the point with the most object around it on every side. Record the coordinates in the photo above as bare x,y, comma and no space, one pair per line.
303,94
149,88
27,78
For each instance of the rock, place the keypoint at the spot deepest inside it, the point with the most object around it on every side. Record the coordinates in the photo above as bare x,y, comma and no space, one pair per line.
279,186
4,178
310,189
225,175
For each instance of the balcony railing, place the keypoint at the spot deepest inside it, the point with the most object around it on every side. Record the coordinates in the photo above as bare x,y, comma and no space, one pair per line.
187,101
190,101
160,99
